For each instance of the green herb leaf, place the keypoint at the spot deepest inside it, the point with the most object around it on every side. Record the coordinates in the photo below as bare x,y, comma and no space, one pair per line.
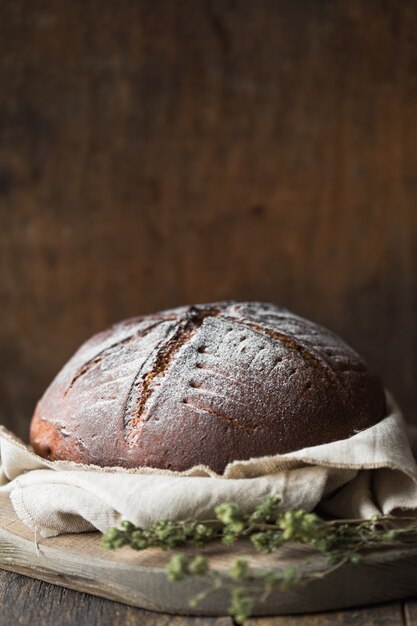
268,528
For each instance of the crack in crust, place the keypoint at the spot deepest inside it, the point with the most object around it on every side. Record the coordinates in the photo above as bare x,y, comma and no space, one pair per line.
186,327
107,351
221,416
306,354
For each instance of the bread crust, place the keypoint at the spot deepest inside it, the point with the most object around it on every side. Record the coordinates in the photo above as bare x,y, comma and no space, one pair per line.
205,384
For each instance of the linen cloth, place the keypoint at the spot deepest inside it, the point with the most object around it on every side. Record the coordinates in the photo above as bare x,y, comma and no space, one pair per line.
371,473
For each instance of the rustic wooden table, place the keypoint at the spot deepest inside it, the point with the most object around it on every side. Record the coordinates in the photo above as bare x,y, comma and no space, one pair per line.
30,602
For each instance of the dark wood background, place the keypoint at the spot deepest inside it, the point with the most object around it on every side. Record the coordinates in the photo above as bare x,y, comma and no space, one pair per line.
160,152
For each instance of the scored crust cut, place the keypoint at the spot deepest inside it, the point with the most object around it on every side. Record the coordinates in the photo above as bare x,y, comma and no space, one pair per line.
205,384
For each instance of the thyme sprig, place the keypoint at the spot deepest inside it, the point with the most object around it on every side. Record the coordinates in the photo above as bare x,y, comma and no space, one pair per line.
339,541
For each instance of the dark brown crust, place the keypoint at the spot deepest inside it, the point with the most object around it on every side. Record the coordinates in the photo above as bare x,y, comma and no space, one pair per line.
185,328
106,352
206,384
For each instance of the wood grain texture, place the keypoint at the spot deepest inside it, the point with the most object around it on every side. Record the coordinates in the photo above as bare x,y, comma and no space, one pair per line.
30,602
383,615
159,153
139,578
410,613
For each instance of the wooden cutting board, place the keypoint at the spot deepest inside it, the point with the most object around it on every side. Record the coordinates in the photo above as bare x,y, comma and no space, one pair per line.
138,578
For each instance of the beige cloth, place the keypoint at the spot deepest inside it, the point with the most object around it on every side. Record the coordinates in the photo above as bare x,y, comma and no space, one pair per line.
373,472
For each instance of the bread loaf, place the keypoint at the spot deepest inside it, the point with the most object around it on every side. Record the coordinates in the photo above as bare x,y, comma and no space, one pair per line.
205,384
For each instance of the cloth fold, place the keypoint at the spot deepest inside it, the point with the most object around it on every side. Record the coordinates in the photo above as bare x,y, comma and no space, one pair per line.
374,472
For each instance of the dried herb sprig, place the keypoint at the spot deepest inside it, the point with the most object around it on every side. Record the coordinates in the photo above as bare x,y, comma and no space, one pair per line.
268,528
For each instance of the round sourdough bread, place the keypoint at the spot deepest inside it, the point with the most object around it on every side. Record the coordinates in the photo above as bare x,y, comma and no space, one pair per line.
205,384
